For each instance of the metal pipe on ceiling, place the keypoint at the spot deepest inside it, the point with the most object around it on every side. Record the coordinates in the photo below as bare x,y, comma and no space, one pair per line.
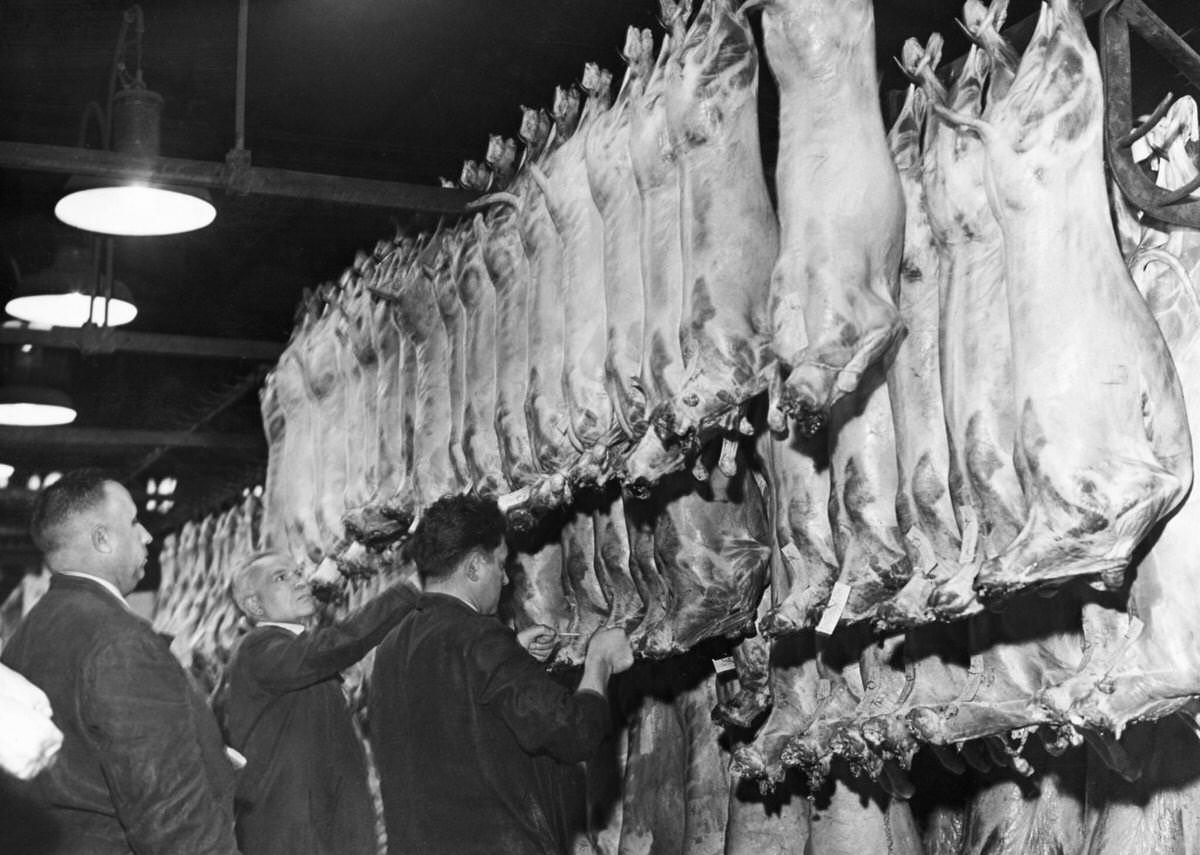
235,178
74,438
96,340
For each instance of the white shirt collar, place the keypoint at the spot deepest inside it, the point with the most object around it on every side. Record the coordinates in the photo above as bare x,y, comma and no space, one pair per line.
293,628
107,585
458,597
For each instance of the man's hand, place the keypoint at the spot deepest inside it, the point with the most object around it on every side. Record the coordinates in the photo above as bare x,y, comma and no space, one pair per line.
609,651
538,640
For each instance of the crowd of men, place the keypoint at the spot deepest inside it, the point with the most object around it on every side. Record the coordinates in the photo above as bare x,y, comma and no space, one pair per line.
476,745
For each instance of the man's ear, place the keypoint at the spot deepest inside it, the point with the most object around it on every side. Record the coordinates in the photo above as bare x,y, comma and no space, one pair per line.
101,542
252,606
472,568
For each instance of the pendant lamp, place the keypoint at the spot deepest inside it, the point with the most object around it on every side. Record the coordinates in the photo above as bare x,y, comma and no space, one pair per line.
35,406
134,207
31,390
65,294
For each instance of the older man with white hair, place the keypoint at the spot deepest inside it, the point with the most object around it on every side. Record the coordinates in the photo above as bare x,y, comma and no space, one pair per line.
304,788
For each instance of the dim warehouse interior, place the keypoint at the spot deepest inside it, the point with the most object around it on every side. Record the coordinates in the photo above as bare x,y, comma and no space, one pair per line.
322,130
397,92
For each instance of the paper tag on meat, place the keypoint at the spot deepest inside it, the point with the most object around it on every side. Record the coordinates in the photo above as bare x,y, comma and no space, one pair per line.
833,612
970,537
724,665
792,554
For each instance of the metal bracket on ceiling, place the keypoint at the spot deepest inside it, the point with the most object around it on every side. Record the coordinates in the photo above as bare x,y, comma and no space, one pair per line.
1169,205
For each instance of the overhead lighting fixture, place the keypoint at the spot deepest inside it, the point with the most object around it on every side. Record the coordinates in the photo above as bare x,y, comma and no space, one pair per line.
65,294
35,406
6,472
31,390
135,207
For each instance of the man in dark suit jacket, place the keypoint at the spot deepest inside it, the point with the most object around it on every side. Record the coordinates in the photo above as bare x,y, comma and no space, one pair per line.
142,767
304,789
476,744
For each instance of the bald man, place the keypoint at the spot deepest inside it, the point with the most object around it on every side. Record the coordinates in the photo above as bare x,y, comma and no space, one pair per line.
304,788
142,766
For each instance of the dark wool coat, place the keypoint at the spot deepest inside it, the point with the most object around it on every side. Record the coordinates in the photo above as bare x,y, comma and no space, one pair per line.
477,747
304,789
143,766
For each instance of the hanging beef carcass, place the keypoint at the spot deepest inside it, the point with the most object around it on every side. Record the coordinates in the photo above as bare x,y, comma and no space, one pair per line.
445,289
508,268
709,556
862,505
1017,653
420,322
1152,668
653,158
661,358
290,419
1103,448
568,200
803,563
602,584
478,298
382,518
545,402
841,211
323,359
1153,814
360,382
975,343
729,240
676,793
538,592
615,192
810,683
924,511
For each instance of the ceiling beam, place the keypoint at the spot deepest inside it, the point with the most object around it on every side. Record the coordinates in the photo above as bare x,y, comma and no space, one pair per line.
75,438
94,340
235,178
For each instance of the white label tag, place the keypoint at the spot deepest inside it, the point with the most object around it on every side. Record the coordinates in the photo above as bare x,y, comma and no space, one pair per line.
970,538
1135,629
833,612
724,665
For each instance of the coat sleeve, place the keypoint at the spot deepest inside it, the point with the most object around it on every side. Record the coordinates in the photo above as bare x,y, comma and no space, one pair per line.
544,716
285,663
140,719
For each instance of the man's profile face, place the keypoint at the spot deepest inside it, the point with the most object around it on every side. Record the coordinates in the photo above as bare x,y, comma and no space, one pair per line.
128,537
283,593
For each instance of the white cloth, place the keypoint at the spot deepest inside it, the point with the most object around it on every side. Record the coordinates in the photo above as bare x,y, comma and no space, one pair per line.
29,741
293,628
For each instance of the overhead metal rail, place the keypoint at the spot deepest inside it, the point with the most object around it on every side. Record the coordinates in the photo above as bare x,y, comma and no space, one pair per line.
236,177
74,438
1174,205
93,340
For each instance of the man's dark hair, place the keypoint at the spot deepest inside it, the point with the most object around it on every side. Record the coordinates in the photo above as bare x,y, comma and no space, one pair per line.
73,493
451,529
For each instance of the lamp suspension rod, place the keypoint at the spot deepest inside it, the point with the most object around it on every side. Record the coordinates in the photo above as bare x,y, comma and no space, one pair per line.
239,119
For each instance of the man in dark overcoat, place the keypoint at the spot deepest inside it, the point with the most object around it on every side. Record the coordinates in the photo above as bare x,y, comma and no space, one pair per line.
142,768
304,789
477,746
